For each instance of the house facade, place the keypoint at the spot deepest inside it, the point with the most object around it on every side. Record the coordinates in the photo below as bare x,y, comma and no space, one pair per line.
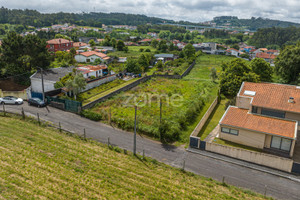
59,44
94,71
91,56
233,52
266,117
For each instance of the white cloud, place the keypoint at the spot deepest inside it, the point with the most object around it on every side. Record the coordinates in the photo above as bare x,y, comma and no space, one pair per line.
190,10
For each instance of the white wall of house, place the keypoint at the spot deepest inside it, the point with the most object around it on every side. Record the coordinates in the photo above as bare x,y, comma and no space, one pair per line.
98,73
36,85
235,53
81,58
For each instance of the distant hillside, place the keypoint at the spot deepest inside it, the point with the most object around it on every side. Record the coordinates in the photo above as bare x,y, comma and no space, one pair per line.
253,23
37,19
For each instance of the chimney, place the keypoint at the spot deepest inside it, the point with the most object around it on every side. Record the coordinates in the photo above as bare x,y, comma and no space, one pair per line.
291,100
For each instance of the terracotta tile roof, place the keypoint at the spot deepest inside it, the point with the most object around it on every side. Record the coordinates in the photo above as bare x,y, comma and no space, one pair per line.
90,53
265,55
274,96
146,40
58,41
91,68
240,118
228,50
79,44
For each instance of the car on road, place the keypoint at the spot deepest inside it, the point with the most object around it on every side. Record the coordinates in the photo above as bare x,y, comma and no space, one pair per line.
11,100
36,102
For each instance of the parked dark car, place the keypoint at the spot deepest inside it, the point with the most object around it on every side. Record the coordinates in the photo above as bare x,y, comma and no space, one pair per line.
36,102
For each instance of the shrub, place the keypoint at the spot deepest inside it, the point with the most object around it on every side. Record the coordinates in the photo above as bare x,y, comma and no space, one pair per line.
91,115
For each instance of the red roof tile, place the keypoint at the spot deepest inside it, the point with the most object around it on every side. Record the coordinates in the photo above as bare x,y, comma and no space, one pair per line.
58,41
274,96
90,53
265,55
240,118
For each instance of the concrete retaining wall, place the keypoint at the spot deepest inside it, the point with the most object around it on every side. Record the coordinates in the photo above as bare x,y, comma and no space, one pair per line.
205,118
19,94
268,160
96,83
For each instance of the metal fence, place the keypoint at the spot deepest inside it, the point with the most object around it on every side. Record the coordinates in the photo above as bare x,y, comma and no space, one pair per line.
65,104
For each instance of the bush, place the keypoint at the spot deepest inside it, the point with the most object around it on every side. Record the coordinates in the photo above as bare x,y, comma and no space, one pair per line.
91,115
147,50
92,77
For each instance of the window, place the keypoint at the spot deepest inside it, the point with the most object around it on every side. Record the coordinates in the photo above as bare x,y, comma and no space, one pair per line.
229,131
273,113
281,143
225,130
234,132
254,109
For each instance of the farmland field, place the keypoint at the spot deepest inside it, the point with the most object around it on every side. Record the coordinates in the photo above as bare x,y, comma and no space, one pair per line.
40,163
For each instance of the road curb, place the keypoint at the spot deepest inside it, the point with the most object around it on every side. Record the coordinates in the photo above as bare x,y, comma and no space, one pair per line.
243,165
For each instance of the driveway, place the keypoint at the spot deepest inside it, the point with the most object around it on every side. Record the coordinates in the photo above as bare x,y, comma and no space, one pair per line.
278,187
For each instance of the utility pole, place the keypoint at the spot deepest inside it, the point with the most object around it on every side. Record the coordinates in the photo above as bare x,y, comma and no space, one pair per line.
134,137
160,105
42,84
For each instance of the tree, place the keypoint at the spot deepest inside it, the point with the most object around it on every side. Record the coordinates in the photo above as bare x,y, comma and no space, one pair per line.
125,49
189,50
76,85
154,43
287,64
234,74
162,46
23,54
92,43
213,74
133,66
262,68
120,45
113,42
235,46
159,65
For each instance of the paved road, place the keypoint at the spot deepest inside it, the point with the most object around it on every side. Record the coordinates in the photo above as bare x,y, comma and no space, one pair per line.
277,187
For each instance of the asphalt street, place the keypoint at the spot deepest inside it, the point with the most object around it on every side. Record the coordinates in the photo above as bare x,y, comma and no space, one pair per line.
234,174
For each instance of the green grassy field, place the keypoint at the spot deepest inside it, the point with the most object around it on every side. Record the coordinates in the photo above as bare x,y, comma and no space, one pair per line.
201,70
134,51
40,163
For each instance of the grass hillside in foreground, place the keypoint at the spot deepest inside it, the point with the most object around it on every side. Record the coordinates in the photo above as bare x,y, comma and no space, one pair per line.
40,163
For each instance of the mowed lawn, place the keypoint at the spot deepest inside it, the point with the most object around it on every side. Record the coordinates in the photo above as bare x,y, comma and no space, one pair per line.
41,163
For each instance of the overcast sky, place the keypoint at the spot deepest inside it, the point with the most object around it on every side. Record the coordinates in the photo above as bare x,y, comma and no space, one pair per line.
190,10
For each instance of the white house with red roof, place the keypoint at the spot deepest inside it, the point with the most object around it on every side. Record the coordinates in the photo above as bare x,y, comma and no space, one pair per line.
91,56
94,70
232,52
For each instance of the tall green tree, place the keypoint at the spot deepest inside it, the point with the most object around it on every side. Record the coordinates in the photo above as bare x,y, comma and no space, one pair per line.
23,54
189,50
262,68
287,64
133,66
120,45
234,74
